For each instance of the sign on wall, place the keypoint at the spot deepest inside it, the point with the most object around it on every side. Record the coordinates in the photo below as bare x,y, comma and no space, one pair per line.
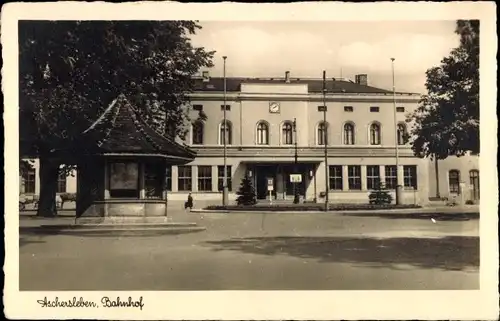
296,178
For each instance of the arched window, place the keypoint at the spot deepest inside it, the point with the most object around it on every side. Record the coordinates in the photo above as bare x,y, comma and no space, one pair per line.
349,134
374,134
474,182
322,133
198,133
401,134
287,133
225,133
454,181
262,133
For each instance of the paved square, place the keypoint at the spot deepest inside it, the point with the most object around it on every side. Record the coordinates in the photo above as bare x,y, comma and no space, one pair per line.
260,252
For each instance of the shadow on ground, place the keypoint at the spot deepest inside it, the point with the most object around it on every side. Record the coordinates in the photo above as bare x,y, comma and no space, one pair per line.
25,241
447,253
420,216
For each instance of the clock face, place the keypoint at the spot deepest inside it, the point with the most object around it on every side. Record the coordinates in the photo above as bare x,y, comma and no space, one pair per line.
274,107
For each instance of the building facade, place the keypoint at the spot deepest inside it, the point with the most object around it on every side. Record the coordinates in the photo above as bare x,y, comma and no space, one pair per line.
454,176
275,127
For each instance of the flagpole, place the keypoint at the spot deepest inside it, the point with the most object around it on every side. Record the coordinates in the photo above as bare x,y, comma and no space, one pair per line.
224,138
325,141
398,190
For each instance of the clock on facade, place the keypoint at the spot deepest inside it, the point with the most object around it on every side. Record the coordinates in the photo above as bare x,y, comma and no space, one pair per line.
274,107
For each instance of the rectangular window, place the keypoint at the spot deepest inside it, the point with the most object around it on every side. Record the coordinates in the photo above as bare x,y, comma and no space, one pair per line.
410,176
374,109
29,177
322,108
454,181
335,173
373,176
198,107
220,178
153,174
391,177
354,177
184,178
348,109
204,178
61,183
168,178
228,107
400,109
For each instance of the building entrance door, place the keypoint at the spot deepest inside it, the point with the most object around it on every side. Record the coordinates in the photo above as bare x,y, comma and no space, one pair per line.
263,173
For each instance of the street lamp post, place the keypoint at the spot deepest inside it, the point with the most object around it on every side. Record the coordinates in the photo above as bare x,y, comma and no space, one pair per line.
224,138
325,141
296,191
396,130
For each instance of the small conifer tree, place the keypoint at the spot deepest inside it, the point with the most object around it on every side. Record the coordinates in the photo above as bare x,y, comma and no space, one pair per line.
380,195
246,193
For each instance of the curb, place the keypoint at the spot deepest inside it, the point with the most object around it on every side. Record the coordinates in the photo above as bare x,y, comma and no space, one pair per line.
110,231
374,213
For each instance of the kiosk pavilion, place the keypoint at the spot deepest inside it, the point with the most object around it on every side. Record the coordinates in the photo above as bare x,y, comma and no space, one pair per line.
121,173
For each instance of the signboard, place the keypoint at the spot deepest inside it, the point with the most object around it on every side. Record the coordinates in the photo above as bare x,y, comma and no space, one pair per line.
270,186
295,178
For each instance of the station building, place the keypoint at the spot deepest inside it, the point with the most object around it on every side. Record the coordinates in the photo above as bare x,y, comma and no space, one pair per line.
275,128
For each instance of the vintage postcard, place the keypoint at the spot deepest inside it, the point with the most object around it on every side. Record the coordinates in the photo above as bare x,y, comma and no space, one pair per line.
239,161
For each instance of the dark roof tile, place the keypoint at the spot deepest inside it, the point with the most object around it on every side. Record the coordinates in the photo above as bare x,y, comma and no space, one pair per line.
126,132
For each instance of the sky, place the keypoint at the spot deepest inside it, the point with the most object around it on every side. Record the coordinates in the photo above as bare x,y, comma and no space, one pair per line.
268,49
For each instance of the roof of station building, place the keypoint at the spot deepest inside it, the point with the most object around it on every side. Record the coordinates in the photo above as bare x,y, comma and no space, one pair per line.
333,85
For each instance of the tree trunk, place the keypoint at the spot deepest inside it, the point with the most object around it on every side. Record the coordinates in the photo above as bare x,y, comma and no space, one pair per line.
49,173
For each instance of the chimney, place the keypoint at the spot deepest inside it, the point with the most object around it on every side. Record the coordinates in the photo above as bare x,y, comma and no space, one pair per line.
206,76
362,79
287,77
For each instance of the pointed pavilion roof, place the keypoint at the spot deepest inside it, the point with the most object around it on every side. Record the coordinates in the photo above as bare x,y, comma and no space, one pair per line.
125,133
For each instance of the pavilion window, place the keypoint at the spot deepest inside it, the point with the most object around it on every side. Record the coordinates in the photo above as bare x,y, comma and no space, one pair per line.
204,178
184,180
124,179
153,180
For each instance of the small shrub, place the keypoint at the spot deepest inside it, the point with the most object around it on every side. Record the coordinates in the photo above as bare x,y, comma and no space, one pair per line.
380,195
246,193
469,202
